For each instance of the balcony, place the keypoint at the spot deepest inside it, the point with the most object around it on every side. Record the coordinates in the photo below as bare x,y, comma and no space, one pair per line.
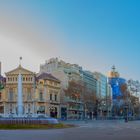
11,100
76,108
28,100
74,101
54,102
41,100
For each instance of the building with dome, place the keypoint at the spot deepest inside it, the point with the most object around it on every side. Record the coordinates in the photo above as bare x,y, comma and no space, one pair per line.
115,81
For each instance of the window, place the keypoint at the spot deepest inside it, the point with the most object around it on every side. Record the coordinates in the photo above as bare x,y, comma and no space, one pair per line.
41,96
29,108
29,97
51,97
41,110
41,82
55,97
55,83
11,94
11,109
2,109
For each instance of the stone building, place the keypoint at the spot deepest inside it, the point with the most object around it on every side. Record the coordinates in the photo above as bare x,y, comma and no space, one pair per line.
40,94
48,95
10,95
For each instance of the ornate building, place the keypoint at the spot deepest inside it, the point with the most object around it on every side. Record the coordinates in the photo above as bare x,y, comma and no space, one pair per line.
10,95
48,95
115,81
40,94
2,84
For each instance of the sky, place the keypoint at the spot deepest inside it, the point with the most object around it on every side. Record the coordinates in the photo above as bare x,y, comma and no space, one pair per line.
95,34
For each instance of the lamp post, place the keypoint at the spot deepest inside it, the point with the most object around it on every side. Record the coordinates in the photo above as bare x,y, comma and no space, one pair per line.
127,104
126,113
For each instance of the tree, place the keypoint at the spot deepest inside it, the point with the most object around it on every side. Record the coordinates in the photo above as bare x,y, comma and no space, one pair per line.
74,99
130,100
1,86
77,91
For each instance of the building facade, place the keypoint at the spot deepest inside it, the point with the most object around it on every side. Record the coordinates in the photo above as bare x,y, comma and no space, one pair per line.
10,95
89,81
36,94
104,94
48,95
65,72
116,82
2,84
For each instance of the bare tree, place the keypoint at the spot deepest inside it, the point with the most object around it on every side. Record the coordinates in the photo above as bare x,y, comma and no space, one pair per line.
78,92
131,100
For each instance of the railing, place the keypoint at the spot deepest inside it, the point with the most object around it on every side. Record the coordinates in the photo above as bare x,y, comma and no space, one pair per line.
41,100
74,101
76,108
54,102
23,121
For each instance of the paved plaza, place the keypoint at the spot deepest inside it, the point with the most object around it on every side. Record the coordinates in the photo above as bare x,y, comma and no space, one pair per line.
92,130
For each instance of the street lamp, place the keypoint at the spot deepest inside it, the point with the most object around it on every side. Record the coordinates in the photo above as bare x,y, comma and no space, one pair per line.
126,113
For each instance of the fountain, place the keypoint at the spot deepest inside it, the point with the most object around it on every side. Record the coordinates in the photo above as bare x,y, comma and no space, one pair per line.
20,117
19,100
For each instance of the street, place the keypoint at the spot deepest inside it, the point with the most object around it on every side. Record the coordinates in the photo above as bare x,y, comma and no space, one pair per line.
97,130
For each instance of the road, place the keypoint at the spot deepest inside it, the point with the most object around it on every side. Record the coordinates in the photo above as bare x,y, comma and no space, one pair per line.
95,130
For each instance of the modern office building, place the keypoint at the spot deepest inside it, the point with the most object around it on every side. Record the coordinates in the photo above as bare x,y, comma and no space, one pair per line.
104,93
101,84
89,80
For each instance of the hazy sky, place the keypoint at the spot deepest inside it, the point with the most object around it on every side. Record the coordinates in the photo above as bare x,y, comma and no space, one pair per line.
95,34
